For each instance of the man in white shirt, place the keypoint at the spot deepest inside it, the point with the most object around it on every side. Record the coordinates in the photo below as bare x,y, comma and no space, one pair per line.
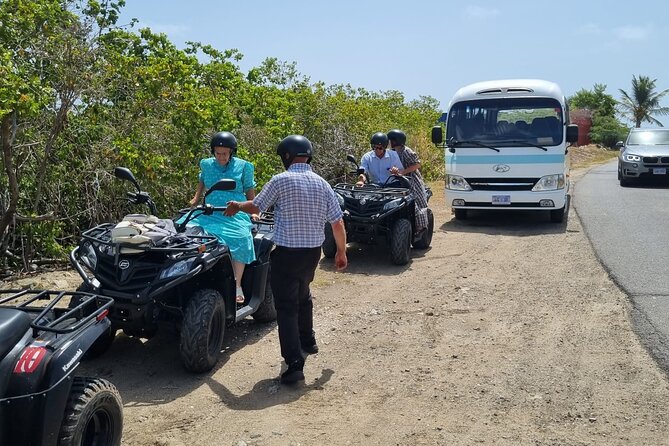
378,162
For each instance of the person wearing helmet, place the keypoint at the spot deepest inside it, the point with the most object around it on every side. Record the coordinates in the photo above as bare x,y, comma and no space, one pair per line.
303,204
378,161
409,158
235,232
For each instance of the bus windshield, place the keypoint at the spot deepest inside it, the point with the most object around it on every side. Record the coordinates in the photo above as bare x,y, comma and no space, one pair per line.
506,122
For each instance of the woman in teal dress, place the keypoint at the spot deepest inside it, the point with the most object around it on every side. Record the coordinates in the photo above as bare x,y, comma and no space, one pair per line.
234,231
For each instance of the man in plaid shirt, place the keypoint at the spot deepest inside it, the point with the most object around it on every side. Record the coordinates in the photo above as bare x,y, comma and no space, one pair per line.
303,203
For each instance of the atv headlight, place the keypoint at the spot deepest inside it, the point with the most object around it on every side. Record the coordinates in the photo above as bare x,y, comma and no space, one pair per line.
178,269
456,182
631,158
88,256
549,182
340,199
392,204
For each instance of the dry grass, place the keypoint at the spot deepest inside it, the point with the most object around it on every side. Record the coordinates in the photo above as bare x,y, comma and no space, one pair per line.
586,156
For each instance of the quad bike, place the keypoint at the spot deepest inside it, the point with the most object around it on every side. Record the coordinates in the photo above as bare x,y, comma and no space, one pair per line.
178,274
374,213
42,342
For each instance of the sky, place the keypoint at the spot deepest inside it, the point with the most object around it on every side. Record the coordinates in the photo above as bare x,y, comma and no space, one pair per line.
430,47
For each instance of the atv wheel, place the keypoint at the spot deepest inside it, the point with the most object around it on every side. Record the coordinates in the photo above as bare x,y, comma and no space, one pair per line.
202,330
94,414
105,341
424,241
400,242
266,312
329,245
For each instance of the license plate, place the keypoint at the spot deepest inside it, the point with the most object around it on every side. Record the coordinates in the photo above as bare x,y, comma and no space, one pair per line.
501,199
659,170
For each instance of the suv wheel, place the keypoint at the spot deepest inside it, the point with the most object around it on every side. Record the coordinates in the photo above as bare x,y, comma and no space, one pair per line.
329,245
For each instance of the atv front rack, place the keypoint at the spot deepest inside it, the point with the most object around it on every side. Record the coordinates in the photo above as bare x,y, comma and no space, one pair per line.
57,319
178,242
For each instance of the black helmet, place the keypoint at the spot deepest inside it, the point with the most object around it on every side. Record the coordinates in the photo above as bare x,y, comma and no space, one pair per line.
294,146
397,136
379,138
224,139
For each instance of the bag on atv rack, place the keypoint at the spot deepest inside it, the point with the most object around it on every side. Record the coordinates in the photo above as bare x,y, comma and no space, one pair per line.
141,230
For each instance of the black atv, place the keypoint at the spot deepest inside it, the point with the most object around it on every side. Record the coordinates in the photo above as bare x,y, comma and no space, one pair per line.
380,212
42,342
177,274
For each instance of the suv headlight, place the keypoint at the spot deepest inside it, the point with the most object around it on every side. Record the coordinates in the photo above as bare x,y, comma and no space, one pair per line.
88,256
632,158
392,204
456,182
549,182
178,269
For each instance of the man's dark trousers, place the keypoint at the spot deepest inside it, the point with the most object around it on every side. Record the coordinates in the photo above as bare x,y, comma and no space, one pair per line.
292,271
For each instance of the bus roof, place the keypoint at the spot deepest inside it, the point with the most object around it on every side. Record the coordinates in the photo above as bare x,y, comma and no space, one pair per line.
507,88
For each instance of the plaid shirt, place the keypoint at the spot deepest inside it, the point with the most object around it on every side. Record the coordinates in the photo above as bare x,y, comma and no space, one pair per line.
303,203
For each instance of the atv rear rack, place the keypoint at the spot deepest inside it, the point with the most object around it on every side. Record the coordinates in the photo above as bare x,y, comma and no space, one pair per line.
90,307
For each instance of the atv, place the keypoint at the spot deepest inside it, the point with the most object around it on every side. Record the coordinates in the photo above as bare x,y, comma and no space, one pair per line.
175,274
386,213
42,342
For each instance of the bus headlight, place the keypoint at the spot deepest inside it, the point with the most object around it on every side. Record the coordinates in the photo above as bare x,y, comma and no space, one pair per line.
549,182
456,182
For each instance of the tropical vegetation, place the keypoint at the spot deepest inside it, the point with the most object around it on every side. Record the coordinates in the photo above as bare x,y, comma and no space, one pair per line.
80,95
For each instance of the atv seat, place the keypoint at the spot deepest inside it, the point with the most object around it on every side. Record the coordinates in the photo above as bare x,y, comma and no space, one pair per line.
13,326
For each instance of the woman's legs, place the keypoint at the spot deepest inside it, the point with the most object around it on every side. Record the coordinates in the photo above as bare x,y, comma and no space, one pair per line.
238,268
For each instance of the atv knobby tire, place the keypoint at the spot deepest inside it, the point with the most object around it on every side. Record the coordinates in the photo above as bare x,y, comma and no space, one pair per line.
94,414
329,245
400,242
105,341
426,239
202,330
266,312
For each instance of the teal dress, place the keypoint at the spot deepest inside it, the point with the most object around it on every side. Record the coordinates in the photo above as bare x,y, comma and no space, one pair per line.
234,231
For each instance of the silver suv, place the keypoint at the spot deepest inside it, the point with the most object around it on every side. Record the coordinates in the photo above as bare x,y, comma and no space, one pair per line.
645,154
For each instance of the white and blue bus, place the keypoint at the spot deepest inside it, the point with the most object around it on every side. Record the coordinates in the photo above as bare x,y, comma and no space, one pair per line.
506,147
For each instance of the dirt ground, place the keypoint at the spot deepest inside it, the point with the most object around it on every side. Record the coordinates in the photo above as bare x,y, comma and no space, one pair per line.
507,331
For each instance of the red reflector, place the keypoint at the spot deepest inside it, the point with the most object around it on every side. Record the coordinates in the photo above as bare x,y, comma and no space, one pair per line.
30,359
102,315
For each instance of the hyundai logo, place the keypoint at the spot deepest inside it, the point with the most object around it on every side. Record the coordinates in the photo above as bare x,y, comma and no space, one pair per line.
123,264
501,168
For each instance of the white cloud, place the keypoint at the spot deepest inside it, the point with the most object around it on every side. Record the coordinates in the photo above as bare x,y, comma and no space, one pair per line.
633,33
478,12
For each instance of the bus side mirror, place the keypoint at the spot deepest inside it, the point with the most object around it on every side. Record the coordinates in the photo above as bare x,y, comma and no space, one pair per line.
437,135
572,133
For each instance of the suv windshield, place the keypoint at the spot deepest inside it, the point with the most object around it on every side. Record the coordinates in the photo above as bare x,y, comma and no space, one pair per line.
507,122
650,137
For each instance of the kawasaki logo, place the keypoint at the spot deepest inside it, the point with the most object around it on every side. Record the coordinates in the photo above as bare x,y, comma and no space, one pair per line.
73,360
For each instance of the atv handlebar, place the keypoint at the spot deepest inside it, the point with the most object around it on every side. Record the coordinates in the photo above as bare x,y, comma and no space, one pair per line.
206,209
142,198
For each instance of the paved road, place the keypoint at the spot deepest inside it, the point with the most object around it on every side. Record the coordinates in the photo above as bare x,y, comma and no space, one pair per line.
629,230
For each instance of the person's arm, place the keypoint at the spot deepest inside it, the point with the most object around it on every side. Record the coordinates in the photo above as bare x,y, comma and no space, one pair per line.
408,170
339,232
245,206
362,178
198,194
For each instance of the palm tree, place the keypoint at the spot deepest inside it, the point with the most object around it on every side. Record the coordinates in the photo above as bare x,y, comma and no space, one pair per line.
643,103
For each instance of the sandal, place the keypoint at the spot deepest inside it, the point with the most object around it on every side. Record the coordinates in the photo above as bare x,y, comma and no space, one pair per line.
240,295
